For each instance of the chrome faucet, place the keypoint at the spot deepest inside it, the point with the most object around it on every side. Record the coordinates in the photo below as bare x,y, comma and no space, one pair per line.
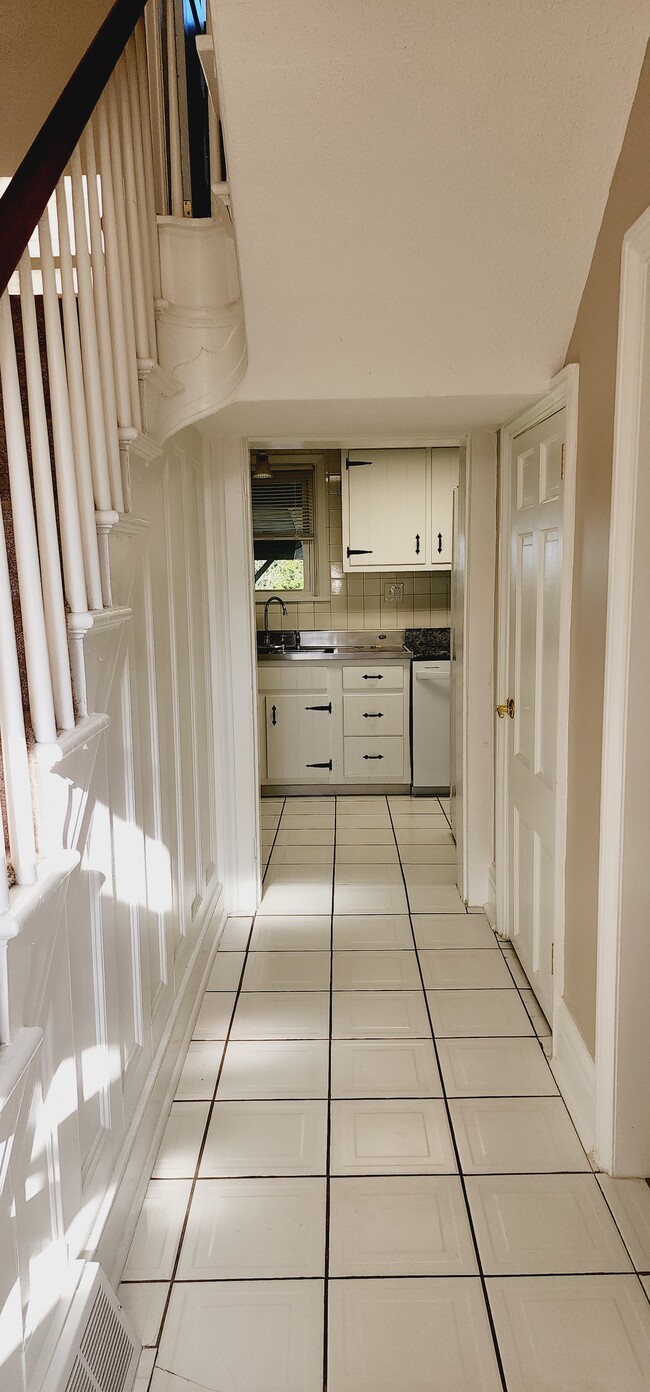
274,599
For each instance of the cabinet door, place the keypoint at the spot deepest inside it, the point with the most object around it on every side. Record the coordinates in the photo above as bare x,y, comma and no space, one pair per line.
444,476
298,742
385,502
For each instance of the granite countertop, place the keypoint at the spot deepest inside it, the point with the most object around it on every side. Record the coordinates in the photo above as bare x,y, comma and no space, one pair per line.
428,642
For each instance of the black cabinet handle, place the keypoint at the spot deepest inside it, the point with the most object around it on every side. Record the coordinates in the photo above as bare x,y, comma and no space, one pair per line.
328,765
439,542
273,715
376,676
327,708
373,756
351,552
373,715
417,543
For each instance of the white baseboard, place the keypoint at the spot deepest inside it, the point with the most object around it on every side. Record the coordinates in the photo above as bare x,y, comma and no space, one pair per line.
133,1169
490,906
575,1073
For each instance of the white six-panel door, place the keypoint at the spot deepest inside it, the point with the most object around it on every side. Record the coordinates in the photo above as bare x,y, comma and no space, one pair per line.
536,486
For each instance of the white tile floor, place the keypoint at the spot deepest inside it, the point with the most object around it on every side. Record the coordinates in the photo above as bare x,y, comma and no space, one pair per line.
369,1181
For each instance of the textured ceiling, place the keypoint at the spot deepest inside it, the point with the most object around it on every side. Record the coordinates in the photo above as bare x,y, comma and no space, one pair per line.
418,186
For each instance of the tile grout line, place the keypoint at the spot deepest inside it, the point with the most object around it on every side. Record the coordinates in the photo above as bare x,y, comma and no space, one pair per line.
199,1158
277,829
497,1351
326,1265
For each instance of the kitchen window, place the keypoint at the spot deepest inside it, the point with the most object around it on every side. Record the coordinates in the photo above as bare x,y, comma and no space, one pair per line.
289,505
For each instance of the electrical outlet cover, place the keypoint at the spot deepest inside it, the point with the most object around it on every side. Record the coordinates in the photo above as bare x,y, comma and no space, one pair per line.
394,593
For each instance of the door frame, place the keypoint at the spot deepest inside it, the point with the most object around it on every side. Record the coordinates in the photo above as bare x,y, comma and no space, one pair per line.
622,1024
563,392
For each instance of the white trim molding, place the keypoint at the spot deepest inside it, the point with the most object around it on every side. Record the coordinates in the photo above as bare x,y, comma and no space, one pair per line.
623,989
575,1073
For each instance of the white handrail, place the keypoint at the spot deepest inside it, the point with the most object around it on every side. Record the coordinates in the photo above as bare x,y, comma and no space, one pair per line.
48,545
78,416
30,590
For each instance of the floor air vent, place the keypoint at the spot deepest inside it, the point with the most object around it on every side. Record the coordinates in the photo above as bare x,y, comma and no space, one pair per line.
98,1351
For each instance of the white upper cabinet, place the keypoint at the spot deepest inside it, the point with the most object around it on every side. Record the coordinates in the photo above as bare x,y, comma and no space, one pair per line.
397,508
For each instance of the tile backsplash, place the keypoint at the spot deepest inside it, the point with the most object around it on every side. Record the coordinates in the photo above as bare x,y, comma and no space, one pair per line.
357,601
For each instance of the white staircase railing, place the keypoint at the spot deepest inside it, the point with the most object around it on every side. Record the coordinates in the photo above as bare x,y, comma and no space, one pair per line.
77,340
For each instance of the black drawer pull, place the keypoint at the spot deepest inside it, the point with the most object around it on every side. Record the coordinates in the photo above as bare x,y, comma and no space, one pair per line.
439,542
373,756
328,765
373,715
377,676
327,708
273,715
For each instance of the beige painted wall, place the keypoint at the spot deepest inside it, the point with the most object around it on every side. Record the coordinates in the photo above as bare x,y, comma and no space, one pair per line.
593,345
42,43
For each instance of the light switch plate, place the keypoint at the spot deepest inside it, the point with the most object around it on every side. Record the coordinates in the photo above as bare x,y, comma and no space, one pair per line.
394,593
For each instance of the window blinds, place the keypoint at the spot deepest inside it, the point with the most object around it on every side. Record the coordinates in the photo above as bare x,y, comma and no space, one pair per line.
283,506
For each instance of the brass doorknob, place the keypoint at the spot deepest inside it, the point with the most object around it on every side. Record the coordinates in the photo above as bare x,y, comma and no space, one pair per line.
507,709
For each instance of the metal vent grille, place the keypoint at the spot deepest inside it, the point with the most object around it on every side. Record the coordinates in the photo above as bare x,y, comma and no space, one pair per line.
106,1350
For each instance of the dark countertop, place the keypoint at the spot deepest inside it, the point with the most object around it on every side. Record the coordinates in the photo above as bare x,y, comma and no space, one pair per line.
428,642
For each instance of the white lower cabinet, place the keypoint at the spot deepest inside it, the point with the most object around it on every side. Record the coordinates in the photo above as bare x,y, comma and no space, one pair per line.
334,722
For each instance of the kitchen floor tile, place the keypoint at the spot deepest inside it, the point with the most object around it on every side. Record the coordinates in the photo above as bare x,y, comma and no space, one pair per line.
286,894
428,854
287,971
293,933
250,1229
282,1015
226,971
391,1137
179,1148
410,821
515,968
372,932
214,1015
629,1200
302,855
144,1303
495,1068
366,855
272,1069
367,873
434,899
235,935
145,1367
242,1336
540,1023
305,837
384,1068
452,931
429,873
376,971
423,1335
417,835
199,1073
468,1014
375,821
156,1237
414,1225
516,1135
363,836
369,899
309,821
250,1139
539,1225
453,969
423,806
572,1333
379,1015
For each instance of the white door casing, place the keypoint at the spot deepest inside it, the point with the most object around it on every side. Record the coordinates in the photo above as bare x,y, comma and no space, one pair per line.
536,486
623,989
563,393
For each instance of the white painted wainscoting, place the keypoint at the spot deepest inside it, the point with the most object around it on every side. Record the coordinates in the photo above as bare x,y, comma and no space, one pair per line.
102,963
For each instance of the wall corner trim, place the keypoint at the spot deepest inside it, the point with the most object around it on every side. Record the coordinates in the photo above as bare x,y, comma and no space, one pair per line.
574,1071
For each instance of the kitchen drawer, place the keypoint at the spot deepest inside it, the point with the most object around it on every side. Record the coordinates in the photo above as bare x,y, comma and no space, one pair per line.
369,677
373,712
381,759
292,676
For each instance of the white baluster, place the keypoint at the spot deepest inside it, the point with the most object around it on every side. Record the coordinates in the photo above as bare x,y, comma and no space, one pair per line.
153,67
4,879
132,220
99,429
123,246
126,374
141,193
12,731
78,416
175,157
106,363
37,662
66,484
48,541
147,149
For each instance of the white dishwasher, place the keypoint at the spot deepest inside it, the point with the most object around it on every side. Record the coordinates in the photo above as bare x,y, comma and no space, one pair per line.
431,722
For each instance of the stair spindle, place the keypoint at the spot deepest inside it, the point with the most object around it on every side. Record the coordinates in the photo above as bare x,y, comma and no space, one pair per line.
14,743
141,194
99,428
147,147
126,378
123,249
143,347
106,361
